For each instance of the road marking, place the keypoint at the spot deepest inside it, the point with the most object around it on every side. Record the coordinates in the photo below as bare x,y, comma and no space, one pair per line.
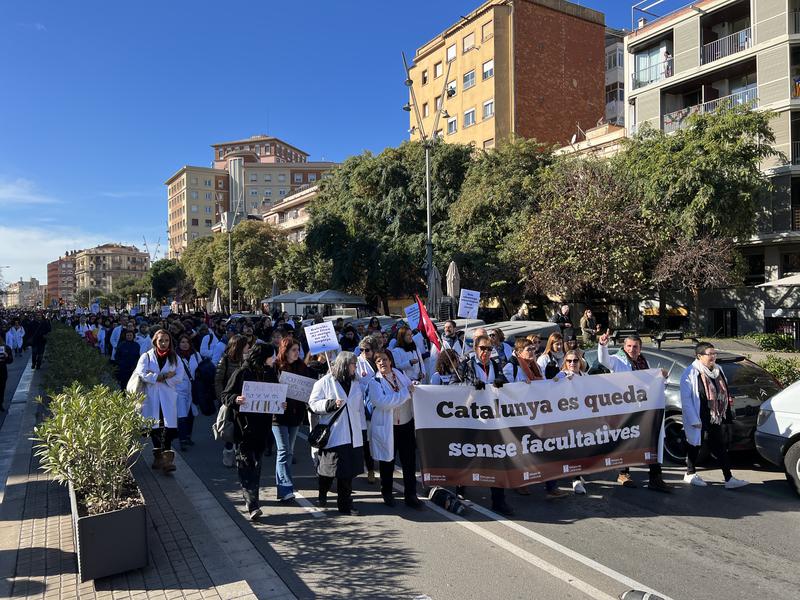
308,506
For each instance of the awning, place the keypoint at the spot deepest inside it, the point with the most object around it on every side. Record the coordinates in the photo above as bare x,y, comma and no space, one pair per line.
782,282
291,296
671,312
332,297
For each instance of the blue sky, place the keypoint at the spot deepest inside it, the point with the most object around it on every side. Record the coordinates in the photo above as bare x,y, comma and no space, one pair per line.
101,101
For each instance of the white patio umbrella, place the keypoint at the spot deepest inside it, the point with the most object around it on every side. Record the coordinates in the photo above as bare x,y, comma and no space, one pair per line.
216,304
434,292
453,280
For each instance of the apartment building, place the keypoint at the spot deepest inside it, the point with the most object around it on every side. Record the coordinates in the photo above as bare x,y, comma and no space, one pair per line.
61,282
99,267
615,76
533,68
291,215
24,294
247,178
716,52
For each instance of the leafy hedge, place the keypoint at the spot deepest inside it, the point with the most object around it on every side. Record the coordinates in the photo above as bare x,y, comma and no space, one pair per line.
773,342
785,370
71,360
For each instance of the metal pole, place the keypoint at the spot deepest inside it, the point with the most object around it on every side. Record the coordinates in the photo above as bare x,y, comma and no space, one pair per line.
230,275
429,242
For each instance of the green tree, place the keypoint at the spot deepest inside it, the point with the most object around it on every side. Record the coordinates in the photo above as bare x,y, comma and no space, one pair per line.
165,275
128,288
256,247
85,296
297,269
198,260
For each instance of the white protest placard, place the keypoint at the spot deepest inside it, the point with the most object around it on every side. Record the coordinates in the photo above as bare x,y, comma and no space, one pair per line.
321,338
468,304
263,397
299,387
412,315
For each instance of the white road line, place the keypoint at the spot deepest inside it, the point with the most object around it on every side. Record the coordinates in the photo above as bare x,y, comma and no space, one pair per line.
308,506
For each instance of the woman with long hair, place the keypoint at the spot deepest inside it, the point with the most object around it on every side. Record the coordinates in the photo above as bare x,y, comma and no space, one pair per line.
231,360
158,369
446,370
573,366
407,357
250,428
190,360
286,425
552,358
338,401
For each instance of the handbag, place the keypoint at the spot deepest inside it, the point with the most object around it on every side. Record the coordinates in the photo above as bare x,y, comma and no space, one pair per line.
222,428
319,436
135,384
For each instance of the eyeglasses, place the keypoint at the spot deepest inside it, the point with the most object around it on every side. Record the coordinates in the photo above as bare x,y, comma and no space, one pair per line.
573,360
709,353
530,349
485,348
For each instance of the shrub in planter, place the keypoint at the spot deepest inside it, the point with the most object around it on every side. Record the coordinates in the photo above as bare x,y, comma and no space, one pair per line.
71,359
90,441
785,370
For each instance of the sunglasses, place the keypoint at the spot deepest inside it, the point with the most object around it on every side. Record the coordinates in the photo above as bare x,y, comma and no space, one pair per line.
485,348
572,360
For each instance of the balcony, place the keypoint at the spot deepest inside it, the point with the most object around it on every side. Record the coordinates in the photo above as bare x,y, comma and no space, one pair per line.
653,73
794,21
726,46
679,118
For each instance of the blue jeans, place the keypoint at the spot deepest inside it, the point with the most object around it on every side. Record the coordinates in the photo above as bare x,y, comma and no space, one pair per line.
284,440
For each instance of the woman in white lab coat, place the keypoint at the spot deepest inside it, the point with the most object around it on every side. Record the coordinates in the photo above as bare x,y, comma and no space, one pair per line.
342,457
159,370
407,357
189,360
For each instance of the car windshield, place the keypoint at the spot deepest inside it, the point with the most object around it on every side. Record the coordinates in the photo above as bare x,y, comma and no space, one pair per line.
747,378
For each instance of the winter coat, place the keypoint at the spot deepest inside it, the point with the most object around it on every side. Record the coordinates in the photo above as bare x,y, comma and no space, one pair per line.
250,427
472,374
391,408
225,369
347,427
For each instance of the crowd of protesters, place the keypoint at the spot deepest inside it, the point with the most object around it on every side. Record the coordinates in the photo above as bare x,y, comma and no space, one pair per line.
196,363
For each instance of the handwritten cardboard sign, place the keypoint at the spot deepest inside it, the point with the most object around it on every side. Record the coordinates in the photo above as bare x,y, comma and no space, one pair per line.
468,304
298,387
263,397
322,338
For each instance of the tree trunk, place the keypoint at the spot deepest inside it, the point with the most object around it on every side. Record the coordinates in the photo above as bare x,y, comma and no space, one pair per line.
662,309
385,303
696,302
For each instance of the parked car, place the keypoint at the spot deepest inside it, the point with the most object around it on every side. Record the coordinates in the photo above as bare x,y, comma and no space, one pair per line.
778,432
516,329
749,384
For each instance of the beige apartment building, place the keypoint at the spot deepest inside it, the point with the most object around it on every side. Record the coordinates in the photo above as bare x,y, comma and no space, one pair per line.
99,267
248,177
717,52
533,68
291,215
25,294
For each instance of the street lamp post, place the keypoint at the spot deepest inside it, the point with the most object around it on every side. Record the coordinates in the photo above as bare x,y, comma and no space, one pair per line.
427,143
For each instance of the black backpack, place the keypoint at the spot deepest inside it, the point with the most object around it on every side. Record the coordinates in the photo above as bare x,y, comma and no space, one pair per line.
551,370
203,387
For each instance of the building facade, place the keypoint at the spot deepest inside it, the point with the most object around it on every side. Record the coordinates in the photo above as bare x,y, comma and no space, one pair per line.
615,77
99,267
511,67
730,52
61,283
24,294
291,215
248,177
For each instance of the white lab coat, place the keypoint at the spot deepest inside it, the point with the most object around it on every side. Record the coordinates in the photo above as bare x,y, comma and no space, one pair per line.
161,395
402,360
613,362
184,388
388,406
82,328
347,427
14,337
690,404
207,345
219,350
145,343
115,335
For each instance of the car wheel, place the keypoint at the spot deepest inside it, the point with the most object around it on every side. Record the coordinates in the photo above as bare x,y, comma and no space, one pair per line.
791,461
674,439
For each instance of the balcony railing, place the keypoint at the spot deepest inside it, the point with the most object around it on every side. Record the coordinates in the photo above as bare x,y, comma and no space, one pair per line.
796,153
678,119
794,21
653,73
730,44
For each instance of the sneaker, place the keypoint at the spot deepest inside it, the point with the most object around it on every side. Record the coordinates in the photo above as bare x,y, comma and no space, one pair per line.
578,487
255,514
371,476
556,493
625,480
694,479
228,457
734,483
287,497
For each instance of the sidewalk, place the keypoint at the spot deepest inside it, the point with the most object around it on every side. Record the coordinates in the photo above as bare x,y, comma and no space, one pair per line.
196,550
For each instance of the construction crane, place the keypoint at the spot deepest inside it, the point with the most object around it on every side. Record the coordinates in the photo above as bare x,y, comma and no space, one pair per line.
154,254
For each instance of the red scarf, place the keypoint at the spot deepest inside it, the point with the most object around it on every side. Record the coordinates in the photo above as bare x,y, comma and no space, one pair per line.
161,354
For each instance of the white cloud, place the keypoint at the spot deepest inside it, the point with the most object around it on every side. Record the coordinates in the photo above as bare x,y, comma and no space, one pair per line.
21,192
40,27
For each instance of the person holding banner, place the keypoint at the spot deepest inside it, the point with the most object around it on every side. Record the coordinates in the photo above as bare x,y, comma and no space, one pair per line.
552,359
574,366
342,457
707,404
626,359
523,366
480,370
393,429
250,428
502,351
407,356
285,426
446,372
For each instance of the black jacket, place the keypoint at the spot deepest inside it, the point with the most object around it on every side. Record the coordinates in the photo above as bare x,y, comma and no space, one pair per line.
253,427
470,377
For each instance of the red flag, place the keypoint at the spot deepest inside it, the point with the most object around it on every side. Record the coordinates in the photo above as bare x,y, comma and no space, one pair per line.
426,325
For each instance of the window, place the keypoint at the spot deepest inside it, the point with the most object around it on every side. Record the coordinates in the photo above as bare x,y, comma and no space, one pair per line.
452,125
438,103
220,184
282,192
451,89
451,53
194,180
267,148
298,178
437,70
425,110
208,195
282,177
488,69
790,264
486,31
424,76
469,79
267,178
755,269
254,192
208,210
194,195
253,177
488,144
469,118
488,109
312,177
614,92
208,223
194,222
468,42
208,183
268,193
194,208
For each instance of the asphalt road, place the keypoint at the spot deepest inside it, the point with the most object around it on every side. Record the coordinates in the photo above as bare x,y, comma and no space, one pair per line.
693,544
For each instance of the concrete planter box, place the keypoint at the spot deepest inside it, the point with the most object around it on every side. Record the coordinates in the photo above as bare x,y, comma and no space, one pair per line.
109,543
